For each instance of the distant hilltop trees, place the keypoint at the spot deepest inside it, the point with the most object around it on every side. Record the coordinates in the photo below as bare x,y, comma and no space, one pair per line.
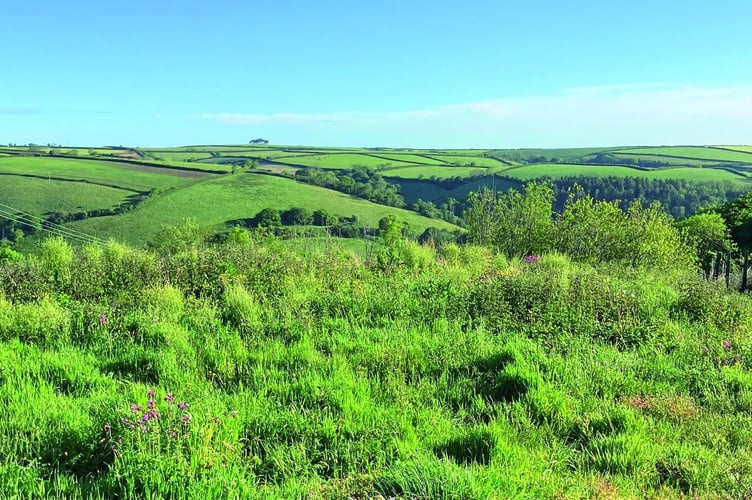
258,141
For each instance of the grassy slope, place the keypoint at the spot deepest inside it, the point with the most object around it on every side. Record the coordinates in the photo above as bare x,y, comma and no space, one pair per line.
467,160
529,172
343,161
121,174
39,197
431,171
217,201
694,152
744,149
667,159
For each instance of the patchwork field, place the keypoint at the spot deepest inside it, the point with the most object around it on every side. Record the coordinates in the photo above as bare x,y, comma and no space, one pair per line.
557,170
115,173
702,153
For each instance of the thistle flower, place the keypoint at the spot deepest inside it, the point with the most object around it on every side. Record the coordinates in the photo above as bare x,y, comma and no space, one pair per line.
102,319
183,405
169,397
150,393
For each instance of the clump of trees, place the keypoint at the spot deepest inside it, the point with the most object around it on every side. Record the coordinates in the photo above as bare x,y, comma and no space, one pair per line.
518,224
358,181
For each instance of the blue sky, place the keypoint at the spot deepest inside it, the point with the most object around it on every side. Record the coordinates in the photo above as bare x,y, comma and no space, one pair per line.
362,73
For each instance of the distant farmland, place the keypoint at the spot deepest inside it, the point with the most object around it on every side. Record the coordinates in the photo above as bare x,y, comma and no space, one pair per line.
216,184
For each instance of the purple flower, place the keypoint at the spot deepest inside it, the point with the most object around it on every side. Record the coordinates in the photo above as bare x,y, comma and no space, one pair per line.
102,319
150,394
531,259
187,418
125,421
136,407
107,427
726,345
150,404
169,397
183,406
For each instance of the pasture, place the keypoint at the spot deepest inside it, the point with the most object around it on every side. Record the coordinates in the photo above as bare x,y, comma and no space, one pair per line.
217,202
40,197
558,170
467,161
693,152
439,172
344,161
115,173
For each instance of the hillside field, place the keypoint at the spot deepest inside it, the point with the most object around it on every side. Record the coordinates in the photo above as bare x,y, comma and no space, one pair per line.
231,198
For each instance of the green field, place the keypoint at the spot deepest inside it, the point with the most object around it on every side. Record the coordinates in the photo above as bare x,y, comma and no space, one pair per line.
565,154
119,174
181,155
215,202
40,197
425,172
667,159
409,158
469,160
702,153
344,161
556,170
744,149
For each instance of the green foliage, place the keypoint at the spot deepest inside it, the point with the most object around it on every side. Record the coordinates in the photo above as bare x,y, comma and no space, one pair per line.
181,237
518,225
320,372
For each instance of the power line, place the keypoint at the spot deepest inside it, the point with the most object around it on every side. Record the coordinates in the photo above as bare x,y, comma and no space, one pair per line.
36,222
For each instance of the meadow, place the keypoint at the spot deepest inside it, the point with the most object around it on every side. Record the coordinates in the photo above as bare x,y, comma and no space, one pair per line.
537,171
344,161
259,370
41,197
439,172
114,173
695,152
217,202
467,161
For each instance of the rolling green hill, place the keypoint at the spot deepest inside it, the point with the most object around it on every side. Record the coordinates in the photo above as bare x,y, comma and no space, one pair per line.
192,181
217,202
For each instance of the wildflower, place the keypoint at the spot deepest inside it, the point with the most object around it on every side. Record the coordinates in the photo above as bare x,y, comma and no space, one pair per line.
150,404
169,397
102,319
107,427
531,259
136,407
150,394
726,344
183,405
125,421
187,418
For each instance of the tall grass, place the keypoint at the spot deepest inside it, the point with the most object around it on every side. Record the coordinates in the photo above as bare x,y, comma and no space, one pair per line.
251,371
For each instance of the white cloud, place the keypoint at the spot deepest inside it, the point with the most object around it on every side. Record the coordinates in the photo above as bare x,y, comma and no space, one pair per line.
613,115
